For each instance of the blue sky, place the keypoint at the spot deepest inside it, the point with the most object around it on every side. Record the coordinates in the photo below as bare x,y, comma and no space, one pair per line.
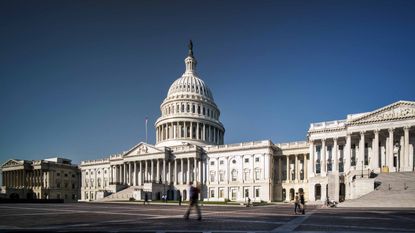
77,78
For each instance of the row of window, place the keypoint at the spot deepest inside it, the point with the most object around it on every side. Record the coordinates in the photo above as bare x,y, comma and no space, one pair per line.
190,108
221,162
234,175
234,192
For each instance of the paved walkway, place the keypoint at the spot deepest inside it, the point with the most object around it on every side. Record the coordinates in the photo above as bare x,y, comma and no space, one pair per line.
105,217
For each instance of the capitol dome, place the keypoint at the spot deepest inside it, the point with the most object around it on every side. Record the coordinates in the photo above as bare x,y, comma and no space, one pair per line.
189,113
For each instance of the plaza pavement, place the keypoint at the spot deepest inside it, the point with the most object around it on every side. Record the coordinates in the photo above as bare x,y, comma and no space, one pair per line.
108,217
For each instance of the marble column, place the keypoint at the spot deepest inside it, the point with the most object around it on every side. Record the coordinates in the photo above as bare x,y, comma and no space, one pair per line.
296,168
323,162
188,171
360,162
288,169
312,163
389,159
347,153
145,171
182,171
374,160
140,177
334,166
175,172
164,171
129,173
120,173
408,164
170,173
194,171
305,168
135,173
158,171
152,171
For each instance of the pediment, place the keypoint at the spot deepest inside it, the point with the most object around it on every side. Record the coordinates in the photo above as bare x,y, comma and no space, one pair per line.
143,148
396,111
12,162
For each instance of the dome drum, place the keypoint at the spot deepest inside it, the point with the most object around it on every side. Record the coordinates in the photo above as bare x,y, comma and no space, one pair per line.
189,113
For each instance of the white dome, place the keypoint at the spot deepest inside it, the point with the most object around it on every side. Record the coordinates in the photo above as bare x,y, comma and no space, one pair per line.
189,84
189,113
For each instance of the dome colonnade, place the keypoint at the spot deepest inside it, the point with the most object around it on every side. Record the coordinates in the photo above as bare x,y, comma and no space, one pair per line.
189,113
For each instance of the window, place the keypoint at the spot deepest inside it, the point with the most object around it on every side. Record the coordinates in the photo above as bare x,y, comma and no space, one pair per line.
257,159
257,174
212,176
73,175
198,109
246,174
66,175
58,174
246,192
234,161
234,175
86,195
234,193
222,176
73,186
86,182
212,163
193,108
73,197
212,193
221,193
257,192
221,162
66,185
246,160
204,112
58,184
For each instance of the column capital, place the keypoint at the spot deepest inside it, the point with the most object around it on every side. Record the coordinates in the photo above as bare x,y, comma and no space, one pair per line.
391,130
362,132
406,127
376,131
335,139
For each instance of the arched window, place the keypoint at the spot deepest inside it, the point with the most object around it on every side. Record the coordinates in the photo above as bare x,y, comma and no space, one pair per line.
234,175
317,192
292,194
284,194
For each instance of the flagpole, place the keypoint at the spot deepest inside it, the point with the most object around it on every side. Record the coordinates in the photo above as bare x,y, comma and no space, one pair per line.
146,130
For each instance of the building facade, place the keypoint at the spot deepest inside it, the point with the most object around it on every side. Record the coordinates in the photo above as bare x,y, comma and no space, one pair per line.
54,178
336,161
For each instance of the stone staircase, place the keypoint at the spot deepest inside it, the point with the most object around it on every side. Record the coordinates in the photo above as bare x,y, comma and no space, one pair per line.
123,195
391,190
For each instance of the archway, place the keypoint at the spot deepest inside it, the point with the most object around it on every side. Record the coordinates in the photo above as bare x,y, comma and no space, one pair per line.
292,194
284,194
185,194
317,192
342,192
178,195
301,191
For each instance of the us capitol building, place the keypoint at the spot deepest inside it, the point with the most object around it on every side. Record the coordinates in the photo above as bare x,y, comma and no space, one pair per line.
336,162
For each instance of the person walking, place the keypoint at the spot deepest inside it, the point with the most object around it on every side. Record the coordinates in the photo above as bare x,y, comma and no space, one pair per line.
180,199
297,203
302,202
194,197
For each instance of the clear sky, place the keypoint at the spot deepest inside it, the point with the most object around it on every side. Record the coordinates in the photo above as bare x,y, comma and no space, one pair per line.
78,78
